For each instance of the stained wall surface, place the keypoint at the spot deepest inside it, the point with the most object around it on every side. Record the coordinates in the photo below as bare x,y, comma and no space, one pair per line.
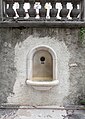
16,43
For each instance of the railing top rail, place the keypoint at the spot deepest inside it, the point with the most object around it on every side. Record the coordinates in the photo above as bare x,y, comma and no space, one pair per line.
45,0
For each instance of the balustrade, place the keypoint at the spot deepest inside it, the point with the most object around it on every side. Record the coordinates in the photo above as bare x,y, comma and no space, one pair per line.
42,10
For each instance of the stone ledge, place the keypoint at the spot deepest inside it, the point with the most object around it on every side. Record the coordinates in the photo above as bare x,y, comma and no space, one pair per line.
41,24
70,107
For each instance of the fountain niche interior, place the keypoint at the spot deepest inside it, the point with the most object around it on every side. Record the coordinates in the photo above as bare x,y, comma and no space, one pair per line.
41,67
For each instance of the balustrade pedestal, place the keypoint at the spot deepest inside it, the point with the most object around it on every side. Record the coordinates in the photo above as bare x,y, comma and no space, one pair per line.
83,10
1,10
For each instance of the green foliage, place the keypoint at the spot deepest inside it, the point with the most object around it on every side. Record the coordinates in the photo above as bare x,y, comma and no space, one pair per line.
81,99
82,102
82,33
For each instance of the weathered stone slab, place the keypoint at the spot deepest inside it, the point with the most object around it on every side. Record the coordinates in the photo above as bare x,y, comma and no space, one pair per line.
24,112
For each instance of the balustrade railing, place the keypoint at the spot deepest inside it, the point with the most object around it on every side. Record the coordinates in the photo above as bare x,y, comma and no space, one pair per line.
42,10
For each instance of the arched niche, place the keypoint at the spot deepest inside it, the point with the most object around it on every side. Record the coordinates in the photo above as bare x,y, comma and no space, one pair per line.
41,67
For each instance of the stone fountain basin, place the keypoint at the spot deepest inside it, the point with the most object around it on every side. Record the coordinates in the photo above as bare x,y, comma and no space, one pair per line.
42,85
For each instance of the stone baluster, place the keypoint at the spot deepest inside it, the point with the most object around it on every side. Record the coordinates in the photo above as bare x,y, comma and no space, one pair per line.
37,7
48,7
32,11
54,11
10,11
75,12
21,11
64,11
43,10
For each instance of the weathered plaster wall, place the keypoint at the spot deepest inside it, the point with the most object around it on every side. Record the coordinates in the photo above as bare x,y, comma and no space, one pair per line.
14,47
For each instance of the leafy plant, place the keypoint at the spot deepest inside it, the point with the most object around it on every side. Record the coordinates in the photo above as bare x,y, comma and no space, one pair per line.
81,99
82,102
82,33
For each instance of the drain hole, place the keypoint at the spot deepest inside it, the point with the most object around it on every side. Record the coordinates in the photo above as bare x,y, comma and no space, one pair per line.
42,59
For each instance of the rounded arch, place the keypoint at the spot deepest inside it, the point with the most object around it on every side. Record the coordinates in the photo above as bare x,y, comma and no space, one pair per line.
41,47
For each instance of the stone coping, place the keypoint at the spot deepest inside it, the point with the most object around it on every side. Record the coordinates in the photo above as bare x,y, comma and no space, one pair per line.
70,107
41,24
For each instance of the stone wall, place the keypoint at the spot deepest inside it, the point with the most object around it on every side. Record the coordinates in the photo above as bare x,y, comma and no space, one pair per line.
15,43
